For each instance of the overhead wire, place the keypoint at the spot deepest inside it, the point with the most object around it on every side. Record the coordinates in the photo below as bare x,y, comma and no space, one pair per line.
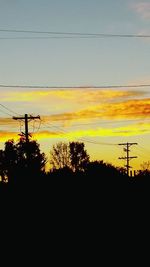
6,113
10,110
104,35
38,127
33,126
20,123
35,131
62,131
99,123
73,87
145,150
50,37
53,126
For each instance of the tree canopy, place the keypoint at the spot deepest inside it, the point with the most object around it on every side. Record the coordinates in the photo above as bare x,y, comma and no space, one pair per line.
19,159
72,155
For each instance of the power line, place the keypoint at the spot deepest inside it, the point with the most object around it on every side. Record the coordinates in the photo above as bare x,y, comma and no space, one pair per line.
6,113
52,126
99,123
96,143
141,153
104,35
73,87
50,37
81,139
10,110
35,131
145,149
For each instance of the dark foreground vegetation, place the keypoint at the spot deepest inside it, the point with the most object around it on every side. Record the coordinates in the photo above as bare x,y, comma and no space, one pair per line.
73,178
77,206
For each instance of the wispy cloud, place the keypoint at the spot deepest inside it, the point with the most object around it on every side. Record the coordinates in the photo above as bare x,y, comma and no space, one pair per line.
128,130
61,101
131,130
131,109
142,8
84,95
7,122
69,107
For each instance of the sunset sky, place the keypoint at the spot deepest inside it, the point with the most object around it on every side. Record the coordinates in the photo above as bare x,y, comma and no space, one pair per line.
100,117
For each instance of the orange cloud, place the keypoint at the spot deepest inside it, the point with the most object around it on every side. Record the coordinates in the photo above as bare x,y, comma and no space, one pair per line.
131,109
78,95
7,122
64,101
94,104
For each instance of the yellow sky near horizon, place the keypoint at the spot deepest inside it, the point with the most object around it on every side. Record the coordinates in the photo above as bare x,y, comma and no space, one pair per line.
102,116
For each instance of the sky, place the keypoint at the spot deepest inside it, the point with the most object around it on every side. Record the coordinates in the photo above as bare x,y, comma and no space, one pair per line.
101,117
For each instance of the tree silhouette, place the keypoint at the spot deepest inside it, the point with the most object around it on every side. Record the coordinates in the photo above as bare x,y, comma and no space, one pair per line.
10,159
29,156
78,156
72,155
145,166
3,175
21,160
60,156
106,173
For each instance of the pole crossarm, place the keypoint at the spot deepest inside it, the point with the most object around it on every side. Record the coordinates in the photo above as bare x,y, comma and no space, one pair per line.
135,157
130,144
26,118
30,117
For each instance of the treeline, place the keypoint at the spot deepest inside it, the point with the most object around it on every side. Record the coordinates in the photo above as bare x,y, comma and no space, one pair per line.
23,162
72,184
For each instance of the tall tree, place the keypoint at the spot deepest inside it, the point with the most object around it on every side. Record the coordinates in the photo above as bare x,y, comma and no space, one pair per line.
21,159
72,155
30,156
3,176
10,159
78,156
145,166
60,156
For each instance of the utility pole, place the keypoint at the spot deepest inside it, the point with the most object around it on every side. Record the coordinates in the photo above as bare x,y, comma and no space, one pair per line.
26,118
127,158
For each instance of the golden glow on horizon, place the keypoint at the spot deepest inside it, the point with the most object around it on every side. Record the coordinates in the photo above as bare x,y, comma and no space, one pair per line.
128,130
5,136
85,106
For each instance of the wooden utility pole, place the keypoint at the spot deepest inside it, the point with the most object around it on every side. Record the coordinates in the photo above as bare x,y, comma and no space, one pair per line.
127,158
26,118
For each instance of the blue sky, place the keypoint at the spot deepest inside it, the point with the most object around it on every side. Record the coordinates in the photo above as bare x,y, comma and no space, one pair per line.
78,62
73,61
